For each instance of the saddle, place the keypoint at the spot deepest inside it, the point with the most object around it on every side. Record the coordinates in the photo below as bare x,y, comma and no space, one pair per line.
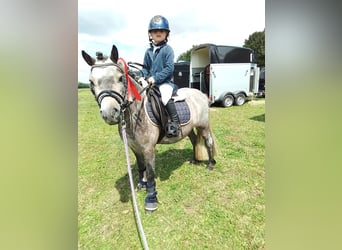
157,112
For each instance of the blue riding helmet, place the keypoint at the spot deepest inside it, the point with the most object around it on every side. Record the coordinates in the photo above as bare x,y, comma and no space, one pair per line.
158,23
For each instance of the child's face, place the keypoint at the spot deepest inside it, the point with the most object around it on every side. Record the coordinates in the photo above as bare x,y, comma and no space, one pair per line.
158,36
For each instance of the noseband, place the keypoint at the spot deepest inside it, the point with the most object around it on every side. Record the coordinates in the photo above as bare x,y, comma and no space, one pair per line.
108,92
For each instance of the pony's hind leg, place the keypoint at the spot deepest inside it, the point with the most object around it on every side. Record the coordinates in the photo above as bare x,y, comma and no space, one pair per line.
192,137
209,142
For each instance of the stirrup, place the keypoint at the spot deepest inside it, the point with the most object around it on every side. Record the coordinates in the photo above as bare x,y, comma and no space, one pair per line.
172,129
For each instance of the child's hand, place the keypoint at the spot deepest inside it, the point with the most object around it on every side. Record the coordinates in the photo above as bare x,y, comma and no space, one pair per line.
143,82
151,80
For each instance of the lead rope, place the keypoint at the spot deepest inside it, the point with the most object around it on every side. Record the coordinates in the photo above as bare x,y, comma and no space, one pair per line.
129,170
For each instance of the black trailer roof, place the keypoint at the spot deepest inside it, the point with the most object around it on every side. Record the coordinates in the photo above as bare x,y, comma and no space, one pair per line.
228,54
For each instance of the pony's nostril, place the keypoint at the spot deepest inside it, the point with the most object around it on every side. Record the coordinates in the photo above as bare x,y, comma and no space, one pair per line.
115,112
103,115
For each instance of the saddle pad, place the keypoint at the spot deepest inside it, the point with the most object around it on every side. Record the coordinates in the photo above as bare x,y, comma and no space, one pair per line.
182,108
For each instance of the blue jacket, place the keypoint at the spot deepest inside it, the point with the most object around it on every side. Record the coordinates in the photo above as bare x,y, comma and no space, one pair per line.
160,65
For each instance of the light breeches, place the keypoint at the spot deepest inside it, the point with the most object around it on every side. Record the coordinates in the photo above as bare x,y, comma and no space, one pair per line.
166,91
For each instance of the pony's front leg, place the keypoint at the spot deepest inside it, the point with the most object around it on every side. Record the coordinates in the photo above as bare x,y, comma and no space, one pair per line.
151,192
146,172
141,171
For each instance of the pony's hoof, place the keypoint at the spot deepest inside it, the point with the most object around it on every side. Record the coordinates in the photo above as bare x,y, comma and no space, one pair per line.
150,207
148,212
193,161
210,167
211,164
141,186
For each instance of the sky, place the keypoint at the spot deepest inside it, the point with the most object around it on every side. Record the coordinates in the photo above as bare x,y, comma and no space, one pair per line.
103,23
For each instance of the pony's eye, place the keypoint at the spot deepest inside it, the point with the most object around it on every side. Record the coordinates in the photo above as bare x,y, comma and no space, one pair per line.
120,79
92,87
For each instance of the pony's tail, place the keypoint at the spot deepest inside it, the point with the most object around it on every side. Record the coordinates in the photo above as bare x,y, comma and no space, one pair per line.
201,152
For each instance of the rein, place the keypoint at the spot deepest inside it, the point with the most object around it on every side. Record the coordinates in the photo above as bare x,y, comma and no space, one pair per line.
124,103
130,176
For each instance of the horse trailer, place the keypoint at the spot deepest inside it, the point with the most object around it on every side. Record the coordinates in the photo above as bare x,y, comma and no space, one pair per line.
226,74
181,74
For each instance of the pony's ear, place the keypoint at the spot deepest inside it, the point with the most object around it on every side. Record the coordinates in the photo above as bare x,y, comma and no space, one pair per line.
114,55
88,58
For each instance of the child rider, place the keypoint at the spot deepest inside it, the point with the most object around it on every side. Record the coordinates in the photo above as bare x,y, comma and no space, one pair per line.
158,69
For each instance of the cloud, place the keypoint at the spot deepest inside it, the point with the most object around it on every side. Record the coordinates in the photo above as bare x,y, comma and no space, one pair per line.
100,23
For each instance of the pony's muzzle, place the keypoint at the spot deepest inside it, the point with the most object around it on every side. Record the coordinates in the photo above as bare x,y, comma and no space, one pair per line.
111,118
110,112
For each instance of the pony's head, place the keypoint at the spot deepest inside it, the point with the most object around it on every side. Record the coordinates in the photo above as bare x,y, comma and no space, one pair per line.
107,83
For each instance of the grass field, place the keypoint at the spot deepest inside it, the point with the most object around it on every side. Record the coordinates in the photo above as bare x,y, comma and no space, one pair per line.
199,209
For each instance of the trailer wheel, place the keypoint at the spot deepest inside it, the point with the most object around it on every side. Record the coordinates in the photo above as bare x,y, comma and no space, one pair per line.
228,100
240,99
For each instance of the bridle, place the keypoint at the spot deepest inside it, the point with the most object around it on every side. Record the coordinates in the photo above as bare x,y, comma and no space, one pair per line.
125,100
109,92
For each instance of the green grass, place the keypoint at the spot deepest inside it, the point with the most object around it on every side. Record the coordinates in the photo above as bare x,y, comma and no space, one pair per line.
199,209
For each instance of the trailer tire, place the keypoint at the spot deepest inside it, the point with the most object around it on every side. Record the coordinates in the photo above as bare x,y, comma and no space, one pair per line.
240,99
228,101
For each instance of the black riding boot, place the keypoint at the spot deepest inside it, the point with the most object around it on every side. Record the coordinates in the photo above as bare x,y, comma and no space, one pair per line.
172,127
